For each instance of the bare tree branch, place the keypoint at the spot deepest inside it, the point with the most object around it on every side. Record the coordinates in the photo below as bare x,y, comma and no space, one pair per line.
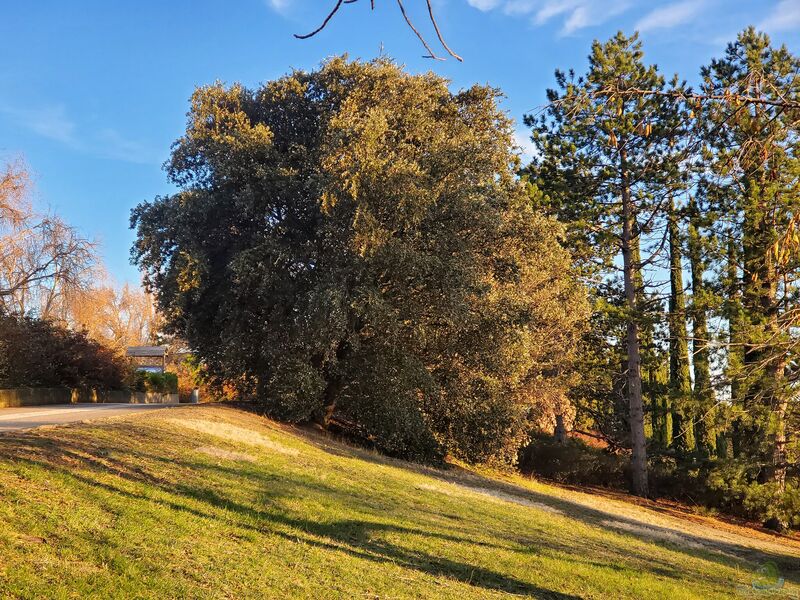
431,53
439,34
324,23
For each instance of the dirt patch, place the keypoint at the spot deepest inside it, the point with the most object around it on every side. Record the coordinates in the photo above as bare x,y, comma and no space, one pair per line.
224,454
455,489
505,497
430,487
232,433
659,535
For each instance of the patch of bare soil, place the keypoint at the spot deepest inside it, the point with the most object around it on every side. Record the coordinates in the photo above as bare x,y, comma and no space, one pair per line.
215,452
234,433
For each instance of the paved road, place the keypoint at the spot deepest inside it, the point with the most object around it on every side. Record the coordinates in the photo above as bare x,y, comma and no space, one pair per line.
28,417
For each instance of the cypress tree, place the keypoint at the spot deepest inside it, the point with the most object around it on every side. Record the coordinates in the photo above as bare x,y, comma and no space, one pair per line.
680,385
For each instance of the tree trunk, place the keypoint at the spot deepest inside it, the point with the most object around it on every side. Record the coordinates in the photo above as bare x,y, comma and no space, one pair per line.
764,362
680,385
733,313
634,377
703,393
560,432
777,473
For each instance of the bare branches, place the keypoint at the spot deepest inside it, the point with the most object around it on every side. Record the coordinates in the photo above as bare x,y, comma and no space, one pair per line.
431,54
730,97
414,29
324,23
13,193
41,257
439,34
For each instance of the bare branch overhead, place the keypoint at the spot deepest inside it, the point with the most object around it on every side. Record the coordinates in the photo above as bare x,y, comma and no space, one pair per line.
409,22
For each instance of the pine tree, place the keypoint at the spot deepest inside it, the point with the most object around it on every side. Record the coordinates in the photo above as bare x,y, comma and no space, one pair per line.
608,165
756,155
703,393
680,384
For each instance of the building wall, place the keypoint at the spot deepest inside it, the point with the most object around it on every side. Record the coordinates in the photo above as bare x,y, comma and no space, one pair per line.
44,396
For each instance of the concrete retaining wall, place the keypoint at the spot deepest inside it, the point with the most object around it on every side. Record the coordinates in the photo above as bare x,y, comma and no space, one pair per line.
45,396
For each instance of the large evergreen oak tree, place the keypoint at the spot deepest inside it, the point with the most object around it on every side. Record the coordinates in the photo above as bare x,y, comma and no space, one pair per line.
352,245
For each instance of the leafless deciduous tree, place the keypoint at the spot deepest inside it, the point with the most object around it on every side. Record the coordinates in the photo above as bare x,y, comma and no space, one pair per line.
117,317
41,256
431,54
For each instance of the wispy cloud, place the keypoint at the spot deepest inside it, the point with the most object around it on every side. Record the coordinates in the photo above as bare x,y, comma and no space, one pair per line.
555,8
669,16
50,122
575,14
114,145
53,123
485,4
280,6
522,138
784,17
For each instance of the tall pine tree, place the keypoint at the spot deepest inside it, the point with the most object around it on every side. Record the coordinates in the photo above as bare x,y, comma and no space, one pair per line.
608,164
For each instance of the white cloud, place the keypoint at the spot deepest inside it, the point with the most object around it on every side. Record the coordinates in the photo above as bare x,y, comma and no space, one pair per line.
669,16
553,9
53,123
576,14
785,17
483,5
280,6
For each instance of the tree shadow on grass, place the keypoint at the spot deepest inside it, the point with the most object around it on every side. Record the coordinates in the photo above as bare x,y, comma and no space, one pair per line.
716,550
363,538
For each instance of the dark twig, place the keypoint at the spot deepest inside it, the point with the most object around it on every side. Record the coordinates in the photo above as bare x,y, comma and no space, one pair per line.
439,34
325,22
431,53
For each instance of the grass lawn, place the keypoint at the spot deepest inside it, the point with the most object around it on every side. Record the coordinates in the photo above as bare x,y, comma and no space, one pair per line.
208,501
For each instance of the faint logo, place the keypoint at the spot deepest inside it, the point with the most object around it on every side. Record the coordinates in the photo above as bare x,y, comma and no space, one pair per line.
767,583
768,578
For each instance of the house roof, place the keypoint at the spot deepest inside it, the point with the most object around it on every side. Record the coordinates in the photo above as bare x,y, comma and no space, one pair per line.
146,351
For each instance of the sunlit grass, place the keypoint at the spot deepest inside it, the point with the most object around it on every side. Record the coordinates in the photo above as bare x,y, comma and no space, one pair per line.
213,502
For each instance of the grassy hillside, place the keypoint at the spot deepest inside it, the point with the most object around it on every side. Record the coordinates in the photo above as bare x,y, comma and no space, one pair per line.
212,502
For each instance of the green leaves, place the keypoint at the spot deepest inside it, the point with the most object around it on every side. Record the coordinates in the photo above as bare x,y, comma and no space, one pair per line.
351,245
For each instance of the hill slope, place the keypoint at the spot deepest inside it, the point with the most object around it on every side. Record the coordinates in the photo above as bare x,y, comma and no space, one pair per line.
209,501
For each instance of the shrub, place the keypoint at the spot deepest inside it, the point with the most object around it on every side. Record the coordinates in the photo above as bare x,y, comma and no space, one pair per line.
573,462
768,504
39,353
162,383
732,485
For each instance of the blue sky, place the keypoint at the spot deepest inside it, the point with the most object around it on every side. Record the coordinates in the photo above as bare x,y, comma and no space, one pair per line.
93,92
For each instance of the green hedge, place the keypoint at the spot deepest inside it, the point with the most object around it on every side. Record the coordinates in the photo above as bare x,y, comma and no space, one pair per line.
164,383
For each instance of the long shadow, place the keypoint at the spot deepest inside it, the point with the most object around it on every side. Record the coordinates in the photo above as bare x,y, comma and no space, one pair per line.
360,538
357,538
709,549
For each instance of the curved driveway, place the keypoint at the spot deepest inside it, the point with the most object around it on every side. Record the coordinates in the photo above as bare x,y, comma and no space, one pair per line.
29,417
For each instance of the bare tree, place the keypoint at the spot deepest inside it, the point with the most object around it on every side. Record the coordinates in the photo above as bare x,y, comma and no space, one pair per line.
14,186
431,54
117,317
41,256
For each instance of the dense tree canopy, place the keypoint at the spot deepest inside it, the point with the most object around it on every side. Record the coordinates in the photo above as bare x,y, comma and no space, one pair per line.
352,245
608,169
655,180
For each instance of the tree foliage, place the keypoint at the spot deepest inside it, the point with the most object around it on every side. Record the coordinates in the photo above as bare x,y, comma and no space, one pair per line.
709,183
351,245
40,353
608,168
